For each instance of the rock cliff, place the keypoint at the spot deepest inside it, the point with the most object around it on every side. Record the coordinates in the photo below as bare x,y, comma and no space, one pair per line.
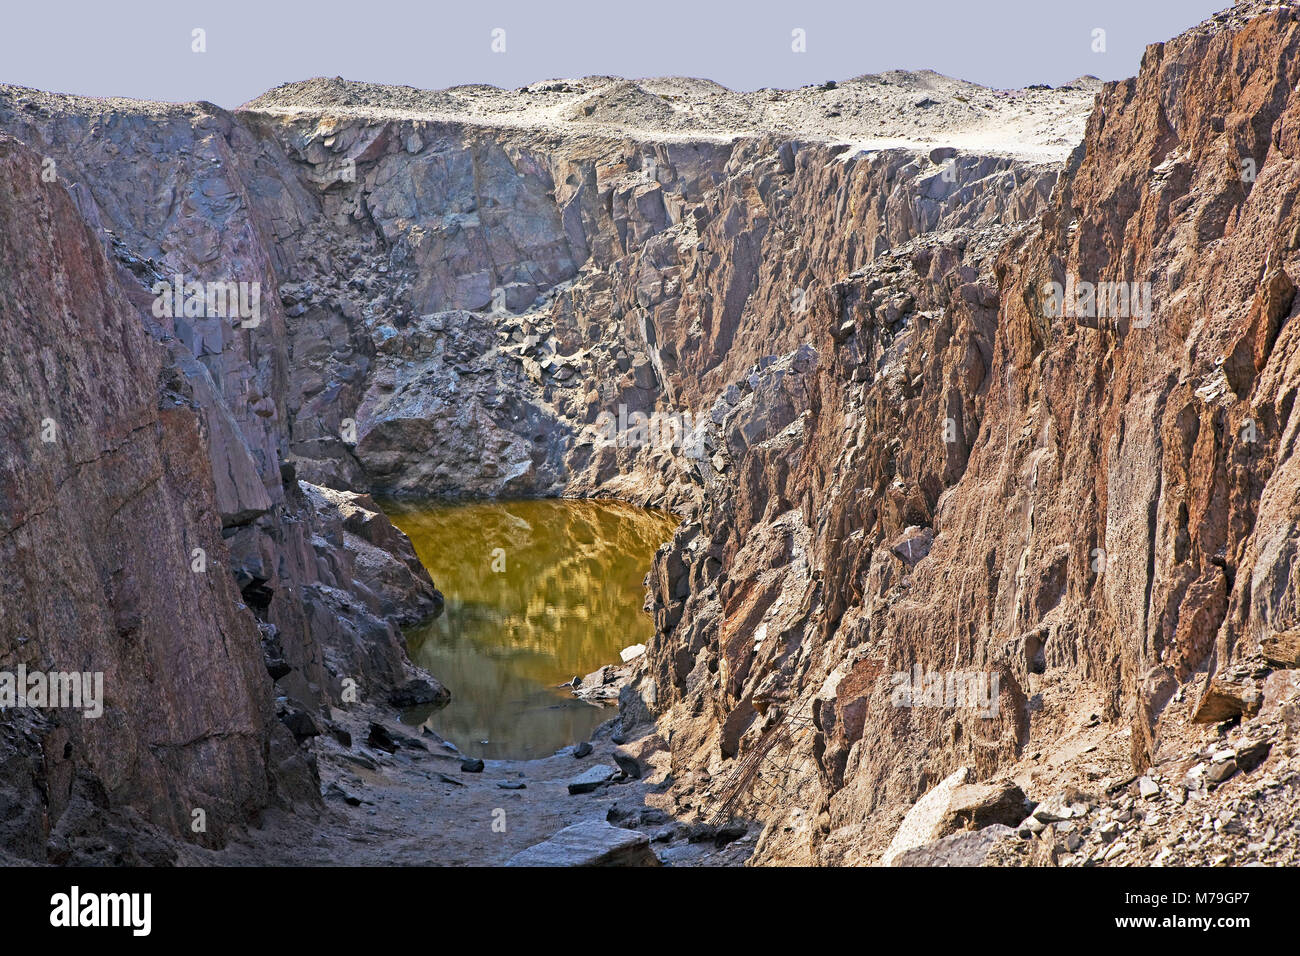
1092,505
836,329
110,535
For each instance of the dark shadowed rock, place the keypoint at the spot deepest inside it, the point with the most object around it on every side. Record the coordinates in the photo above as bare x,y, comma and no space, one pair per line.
729,833
381,739
628,764
419,692
298,720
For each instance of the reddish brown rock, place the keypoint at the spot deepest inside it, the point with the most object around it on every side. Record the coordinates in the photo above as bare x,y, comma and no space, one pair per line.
110,533
1109,497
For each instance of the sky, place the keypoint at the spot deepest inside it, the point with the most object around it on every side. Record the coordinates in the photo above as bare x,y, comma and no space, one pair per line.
146,49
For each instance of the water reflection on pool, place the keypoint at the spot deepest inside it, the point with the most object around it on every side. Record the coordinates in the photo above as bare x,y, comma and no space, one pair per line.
537,592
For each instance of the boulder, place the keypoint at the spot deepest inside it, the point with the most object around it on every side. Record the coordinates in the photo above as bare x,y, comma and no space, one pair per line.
913,544
978,805
628,764
381,739
958,849
593,843
591,779
417,692
1282,648
957,805
924,821
1224,699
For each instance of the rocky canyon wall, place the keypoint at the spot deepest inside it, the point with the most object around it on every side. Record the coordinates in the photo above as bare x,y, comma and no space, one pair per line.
158,538
908,457
450,307
1097,511
108,502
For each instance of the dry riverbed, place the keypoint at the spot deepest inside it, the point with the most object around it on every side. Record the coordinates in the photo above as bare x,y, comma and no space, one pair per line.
419,805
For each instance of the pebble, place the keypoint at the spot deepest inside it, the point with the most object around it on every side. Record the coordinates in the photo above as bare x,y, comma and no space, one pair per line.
1044,813
1031,825
1222,770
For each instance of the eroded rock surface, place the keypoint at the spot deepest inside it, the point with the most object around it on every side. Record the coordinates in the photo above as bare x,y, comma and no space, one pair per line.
825,344
1108,500
106,501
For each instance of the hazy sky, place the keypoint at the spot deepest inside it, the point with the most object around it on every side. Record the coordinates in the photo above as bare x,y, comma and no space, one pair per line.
143,49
